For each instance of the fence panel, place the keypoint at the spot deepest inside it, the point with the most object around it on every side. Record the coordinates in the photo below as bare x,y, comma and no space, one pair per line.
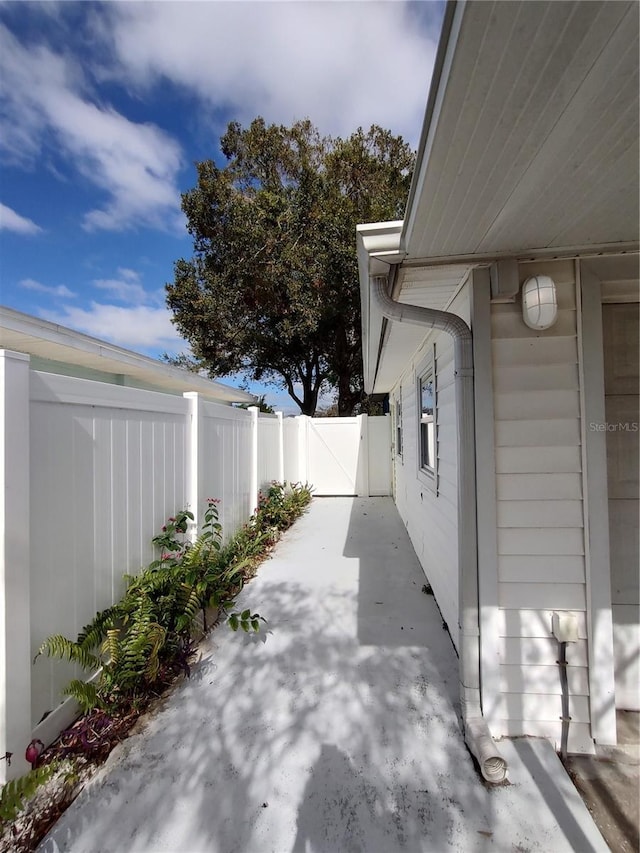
348,456
107,466
293,469
225,463
269,450
333,455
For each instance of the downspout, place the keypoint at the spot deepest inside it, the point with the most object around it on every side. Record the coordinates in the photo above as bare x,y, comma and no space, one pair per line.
476,731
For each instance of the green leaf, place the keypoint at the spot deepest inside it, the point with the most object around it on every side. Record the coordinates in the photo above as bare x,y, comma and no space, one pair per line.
245,614
233,622
16,792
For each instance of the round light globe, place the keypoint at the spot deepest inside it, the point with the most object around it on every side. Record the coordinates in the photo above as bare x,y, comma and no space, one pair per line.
539,302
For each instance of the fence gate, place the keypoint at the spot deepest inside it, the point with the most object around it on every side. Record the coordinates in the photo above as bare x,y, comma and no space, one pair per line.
348,456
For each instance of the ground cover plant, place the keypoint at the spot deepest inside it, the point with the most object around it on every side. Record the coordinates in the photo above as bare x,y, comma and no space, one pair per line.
137,647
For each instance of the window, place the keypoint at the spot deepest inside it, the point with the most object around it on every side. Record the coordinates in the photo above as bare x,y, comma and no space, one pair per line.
428,421
398,410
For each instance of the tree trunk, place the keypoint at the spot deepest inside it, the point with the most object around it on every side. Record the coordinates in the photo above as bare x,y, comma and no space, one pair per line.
309,401
347,399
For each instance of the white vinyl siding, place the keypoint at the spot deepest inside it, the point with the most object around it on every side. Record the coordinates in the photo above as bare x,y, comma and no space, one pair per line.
431,515
540,524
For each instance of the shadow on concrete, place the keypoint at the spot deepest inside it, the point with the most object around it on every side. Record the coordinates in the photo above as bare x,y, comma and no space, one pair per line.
549,784
334,731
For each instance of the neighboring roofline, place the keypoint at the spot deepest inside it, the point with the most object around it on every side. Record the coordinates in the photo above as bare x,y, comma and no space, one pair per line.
116,359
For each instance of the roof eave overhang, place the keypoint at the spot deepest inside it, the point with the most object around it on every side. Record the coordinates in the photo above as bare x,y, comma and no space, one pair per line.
454,11
378,251
74,347
377,256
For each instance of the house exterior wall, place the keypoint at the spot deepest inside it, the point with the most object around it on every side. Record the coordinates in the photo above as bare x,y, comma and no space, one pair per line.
532,559
540,531
428,506
78,371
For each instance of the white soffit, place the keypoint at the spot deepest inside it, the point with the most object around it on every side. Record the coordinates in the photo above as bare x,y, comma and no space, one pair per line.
429,287
533,141
401,342
24,333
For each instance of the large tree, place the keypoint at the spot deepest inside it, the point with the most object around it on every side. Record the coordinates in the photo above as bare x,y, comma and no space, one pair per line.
272,288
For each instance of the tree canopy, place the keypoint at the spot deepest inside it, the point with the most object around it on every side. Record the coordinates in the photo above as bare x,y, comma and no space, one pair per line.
271,291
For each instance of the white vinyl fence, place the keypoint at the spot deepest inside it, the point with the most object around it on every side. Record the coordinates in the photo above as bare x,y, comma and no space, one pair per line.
91,471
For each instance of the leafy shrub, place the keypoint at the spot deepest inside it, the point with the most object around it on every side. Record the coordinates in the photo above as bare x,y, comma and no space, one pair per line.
14,794
148,635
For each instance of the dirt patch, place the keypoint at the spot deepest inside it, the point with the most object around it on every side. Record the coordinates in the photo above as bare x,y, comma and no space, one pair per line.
609,784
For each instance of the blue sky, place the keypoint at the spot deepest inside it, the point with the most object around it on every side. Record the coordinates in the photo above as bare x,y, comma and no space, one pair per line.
105,107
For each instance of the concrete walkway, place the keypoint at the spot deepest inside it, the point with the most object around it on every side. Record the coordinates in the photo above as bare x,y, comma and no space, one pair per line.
336,731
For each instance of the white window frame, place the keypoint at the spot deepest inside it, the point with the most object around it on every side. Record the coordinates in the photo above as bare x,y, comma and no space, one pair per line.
428,474
397,423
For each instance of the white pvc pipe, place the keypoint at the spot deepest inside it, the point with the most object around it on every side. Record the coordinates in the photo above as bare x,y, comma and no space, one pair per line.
476,731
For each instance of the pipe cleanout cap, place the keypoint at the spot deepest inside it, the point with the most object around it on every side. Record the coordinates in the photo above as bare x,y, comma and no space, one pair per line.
494,769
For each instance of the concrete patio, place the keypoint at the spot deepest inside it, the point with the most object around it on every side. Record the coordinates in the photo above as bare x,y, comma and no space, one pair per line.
334,730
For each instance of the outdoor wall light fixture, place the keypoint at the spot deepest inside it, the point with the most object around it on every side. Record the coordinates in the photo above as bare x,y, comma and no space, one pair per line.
539,302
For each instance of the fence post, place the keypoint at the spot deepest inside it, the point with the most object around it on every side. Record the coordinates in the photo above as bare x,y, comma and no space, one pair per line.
280,446
194,458
303,448
362,477
15,605
253,488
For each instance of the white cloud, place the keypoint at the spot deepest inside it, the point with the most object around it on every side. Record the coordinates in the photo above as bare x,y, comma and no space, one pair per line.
60,290
128,288
12,221
141,327
135,165
341,64
142,323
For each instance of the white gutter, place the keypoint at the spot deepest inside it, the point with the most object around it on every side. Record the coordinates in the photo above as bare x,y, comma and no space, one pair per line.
476,732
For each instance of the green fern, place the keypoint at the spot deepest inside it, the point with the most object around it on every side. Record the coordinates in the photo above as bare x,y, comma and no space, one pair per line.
151,581
191,604
94,633
154,643
84,692
152,624
193,556
111,647
15,793
61,647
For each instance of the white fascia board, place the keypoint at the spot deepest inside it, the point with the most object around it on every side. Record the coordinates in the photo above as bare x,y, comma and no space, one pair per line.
454,14
117,359
378,249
